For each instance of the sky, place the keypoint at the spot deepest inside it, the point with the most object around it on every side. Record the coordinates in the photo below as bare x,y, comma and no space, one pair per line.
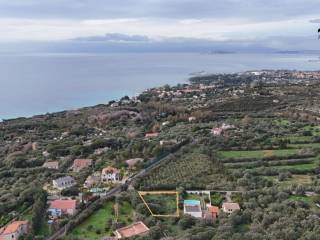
285,24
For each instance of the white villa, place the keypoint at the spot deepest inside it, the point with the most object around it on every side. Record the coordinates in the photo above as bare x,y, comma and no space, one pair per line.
63,182
110,174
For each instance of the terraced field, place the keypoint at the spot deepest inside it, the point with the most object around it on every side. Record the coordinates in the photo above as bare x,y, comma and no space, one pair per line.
299,156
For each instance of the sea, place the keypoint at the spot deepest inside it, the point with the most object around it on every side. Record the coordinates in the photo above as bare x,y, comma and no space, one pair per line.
32,84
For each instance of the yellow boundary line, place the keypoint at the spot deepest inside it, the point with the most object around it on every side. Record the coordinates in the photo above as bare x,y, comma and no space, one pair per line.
177,214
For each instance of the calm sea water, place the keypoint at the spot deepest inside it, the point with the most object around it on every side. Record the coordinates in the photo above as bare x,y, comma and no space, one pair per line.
33,84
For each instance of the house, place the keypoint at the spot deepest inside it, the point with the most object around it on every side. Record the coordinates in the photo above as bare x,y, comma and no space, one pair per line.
110,174
135,229
165,123
211,212
59,208
15,230
191,119
51,165
216,131
227,126
229,208
133,162
64,182
92,180
168,142
79,164
100,151
151,135
193,208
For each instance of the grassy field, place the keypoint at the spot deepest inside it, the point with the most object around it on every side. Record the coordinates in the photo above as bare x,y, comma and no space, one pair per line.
305,145
301,198
162,204
257,153
97,225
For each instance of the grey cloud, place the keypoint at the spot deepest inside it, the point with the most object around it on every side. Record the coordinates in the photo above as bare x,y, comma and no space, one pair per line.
116,37
315,21
84,9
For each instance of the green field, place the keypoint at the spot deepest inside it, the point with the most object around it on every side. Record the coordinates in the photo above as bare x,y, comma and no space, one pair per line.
301,198
97,225
257,153
162,204
305,145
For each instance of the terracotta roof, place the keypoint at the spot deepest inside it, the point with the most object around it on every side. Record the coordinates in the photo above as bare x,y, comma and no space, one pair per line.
213,209
231,206
82,163
13,227
63,204
132,230
134,161
110,170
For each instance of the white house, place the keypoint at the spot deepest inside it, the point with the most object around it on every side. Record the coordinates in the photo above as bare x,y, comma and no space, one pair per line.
229,208
193,208
51,165
63,182
110,174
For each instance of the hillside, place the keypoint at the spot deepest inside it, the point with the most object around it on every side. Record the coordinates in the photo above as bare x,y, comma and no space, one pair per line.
250,138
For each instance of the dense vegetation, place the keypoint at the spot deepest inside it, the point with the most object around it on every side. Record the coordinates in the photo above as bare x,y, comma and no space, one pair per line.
271,157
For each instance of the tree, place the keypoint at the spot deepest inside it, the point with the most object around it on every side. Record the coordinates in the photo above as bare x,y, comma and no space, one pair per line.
186,221
39,208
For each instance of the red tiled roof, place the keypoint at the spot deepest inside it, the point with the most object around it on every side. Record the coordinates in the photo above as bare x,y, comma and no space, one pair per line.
132,230
213,209
63,204
109,170
13,227
82,163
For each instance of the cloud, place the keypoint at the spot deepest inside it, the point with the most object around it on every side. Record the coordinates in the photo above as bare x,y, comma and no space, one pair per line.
255,10
116,37
314,20
145,20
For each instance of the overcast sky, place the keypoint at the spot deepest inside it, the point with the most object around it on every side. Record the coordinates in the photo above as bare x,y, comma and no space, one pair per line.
216,20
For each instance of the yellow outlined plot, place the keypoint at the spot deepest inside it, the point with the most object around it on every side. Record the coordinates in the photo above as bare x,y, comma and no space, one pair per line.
176,214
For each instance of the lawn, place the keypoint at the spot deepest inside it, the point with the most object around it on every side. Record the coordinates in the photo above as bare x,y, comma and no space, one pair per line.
301,198
98,224
161,204
90,228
